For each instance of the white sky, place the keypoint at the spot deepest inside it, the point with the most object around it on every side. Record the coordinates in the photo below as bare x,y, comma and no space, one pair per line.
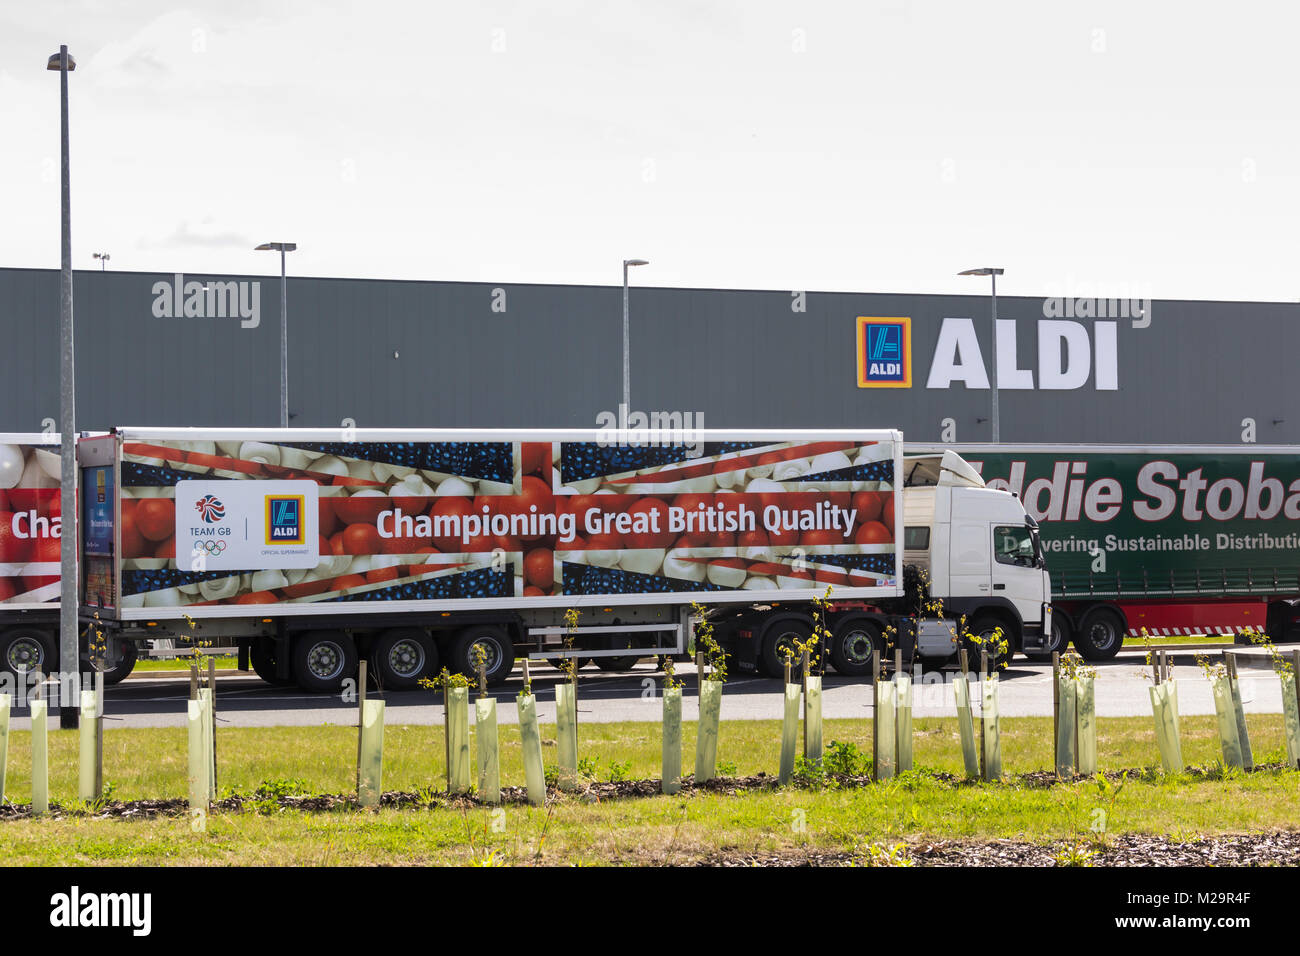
1104,148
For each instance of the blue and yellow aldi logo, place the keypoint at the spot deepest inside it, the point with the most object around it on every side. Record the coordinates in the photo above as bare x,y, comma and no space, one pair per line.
284,519
884,352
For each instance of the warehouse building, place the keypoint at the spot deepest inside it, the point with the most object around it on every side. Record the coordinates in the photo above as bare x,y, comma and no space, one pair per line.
181,349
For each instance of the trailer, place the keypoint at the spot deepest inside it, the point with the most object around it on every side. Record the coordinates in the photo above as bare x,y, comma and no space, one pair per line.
1159,538
424,549
30,524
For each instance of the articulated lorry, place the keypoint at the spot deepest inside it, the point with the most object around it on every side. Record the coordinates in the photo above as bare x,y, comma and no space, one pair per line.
1170,539
419,549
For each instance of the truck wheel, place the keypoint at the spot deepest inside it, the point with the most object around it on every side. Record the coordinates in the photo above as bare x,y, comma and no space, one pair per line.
1101,635
127,655
1057,643
497,647
985,626
614,642
322,660
401,656
261,654
854,646
777,639
25,649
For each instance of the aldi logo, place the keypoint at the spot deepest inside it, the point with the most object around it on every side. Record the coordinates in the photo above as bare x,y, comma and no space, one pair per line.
884,352
284,521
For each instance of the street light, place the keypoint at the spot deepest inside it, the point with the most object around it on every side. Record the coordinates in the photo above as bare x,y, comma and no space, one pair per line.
993,274
103,258
282,248
69,650
627,361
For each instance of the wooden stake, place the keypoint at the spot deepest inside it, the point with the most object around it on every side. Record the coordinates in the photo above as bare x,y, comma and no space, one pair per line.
194,681
482,679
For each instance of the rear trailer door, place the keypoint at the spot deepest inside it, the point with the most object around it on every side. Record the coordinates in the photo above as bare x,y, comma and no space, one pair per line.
222,523
99,526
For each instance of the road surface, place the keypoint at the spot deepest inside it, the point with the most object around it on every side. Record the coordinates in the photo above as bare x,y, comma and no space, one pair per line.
1026,690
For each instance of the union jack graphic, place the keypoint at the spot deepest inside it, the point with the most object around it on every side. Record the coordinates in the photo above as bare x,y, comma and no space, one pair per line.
394,518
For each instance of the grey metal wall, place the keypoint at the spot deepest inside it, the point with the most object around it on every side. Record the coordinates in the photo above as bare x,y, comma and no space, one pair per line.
389,353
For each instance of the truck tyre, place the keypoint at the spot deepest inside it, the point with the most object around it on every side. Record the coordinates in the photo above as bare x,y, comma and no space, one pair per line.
777,639
128,652
25,649
1101,634
498,652
985,626
401,656
1057,643
614,642
323,660
261,655
854,646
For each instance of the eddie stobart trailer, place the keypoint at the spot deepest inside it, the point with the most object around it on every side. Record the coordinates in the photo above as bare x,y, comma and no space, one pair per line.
424,548
1173,539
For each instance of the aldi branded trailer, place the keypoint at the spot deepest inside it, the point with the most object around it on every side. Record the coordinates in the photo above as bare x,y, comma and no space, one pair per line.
422,549
1171,539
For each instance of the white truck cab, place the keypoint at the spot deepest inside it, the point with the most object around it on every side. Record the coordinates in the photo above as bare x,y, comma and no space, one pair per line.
978,551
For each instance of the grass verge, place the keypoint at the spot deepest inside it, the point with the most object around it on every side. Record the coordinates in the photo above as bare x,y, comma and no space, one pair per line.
918,807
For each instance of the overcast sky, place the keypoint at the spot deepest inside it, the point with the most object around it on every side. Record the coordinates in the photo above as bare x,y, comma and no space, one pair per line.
1087,148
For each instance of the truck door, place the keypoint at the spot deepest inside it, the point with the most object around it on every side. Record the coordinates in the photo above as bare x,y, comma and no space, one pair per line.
969,559
1016,572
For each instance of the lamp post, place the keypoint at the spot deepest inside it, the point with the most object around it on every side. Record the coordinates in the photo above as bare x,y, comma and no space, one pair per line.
69,656
993,274
282,248
627,354
103,258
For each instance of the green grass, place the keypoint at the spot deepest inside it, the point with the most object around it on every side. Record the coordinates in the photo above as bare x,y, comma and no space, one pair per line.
143,763
183,664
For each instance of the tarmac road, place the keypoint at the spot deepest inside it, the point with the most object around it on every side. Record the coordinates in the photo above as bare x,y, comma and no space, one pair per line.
1026,690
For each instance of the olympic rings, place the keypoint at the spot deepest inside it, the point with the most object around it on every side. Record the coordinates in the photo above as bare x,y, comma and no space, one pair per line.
209,547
